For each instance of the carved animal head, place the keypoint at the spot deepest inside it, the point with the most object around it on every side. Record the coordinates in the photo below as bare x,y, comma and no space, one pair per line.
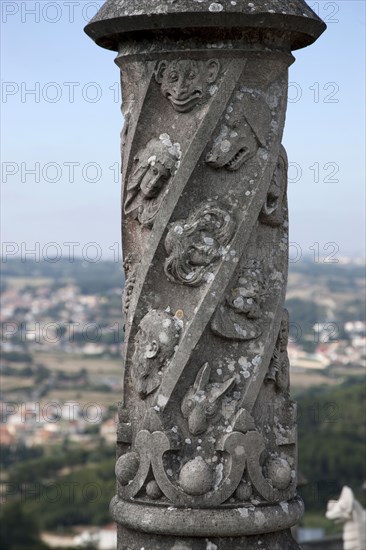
340,510
184,81
246,127
155,341
195,244
202,401
272,211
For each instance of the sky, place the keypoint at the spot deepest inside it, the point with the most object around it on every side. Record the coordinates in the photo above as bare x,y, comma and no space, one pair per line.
61,123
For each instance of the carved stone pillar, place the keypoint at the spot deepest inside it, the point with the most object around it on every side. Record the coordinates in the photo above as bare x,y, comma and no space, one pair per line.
207,429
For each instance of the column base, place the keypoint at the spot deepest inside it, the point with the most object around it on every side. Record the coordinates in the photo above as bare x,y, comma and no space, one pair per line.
146,527
132,540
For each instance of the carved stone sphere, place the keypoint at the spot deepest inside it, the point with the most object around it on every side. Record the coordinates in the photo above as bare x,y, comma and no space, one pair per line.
196,477
153,490
244,491
278,471
127,467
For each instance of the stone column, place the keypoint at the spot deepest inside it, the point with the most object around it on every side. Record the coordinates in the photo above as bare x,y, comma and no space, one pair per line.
207,428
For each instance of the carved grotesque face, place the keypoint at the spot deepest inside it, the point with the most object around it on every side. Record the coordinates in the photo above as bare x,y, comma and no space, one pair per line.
156,176
184,81
243,131
154,344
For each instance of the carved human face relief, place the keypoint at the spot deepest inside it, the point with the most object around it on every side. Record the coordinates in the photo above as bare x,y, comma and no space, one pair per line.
241,133
184,82
155,341
156,176
154,167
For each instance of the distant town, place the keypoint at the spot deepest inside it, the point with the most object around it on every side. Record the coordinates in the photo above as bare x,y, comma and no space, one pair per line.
63,336
61,361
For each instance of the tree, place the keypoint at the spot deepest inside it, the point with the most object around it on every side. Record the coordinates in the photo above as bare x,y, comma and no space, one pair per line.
18,530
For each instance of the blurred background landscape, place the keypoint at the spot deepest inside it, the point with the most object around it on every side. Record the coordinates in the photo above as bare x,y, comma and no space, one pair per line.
62,340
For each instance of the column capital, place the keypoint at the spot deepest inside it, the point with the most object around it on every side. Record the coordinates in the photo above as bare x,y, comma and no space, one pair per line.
294,21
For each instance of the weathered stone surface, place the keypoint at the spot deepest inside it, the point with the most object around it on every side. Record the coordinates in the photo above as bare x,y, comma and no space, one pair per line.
132,540
207,433
118,17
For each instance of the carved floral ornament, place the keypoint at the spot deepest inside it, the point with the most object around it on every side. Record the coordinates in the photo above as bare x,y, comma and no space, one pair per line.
201,481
